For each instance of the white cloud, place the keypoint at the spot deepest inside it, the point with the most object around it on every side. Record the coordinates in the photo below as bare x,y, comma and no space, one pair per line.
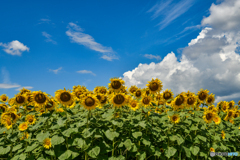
208,62
56,70
14,48
171,12
76,35
150,56
86,72
6,81
48,36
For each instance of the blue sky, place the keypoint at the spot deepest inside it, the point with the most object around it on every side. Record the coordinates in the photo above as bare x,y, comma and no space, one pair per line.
49,45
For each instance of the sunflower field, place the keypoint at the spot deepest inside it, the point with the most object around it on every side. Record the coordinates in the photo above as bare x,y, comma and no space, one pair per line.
117,123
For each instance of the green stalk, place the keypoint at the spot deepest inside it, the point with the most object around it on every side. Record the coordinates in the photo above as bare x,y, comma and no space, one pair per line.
11,144
89,113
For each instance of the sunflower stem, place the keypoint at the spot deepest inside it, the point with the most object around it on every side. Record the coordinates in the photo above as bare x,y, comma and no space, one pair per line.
89,113
11,144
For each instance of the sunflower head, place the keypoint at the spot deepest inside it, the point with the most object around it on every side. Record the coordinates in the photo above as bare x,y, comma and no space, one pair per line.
167,94
116,84
90,102
212,149
210,99
174,118
189,93
138,93
23,91
133,104
23,126
154,85
30,119
4,98
202,95
209,116
132,89
146,100
20,100
47,143
119,99
217,120
40,98
3,107
231,104
191,101
64,97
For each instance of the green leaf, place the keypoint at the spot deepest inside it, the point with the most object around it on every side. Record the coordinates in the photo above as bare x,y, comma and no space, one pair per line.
137,134
69,131
94,152
17,147
32,147
128,144
194,150
50,152
187,151
142,124
180,140
142,155
88,133
202,154
81,143
170,152
173,138
65,155
3,130
188,122
41,136
111,135
146,141
23,156
204,139
4,150
55,140
193,128
74,154
61,122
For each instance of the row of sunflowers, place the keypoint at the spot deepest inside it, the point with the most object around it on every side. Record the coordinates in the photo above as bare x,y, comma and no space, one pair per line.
83,124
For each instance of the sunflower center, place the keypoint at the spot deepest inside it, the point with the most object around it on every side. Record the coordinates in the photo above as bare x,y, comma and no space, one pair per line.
89,101
179,101
2,108
230,114
103,91
40,98
13,116
119,99
209,116
167,95
9,122
99,97
209,100
202,96
30,120
153,86
190,101
48,105
224,107
230,105
174,118
20,99
133,90
116,84
78,94
138,94
146,100
134,105
47,142
4,98
104,100
65,96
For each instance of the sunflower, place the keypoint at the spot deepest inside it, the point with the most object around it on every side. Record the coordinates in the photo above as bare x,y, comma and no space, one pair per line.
29,97
30,119
40,98
77,92
217,120
25,136
20,100
23,91
146,91
119,99
191,101
167,94
23,126
64,97
4,98
9,115
219,104
3,107
8,123
223,135
231,121
235,115
154,85
146,100
90,102
230,114
72,105
138,93
11,101
174,118
59,110
188,94
224,106
133,104
47,143
132,89
103,101
202,95
231,104
51,104
209,116
210,99
179,101
212,149
116,84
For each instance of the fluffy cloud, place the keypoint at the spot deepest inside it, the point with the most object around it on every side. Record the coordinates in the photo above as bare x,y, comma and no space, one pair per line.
208,62
14,48
150,56
76,34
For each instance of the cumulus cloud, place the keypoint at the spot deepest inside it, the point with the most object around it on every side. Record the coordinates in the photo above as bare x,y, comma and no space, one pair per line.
170,12
86,72
48,36
6,80
150,56
76,35
14,47
209,61
56,70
